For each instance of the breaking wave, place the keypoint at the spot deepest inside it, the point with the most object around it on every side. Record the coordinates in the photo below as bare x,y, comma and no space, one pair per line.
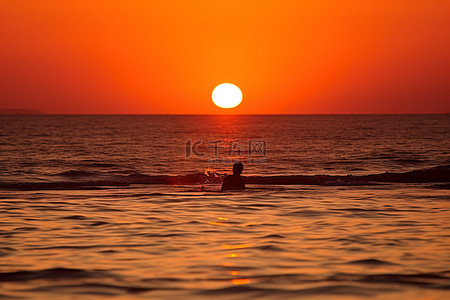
79,179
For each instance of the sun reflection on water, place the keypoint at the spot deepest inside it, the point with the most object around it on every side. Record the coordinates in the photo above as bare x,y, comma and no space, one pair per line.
240,246
240,281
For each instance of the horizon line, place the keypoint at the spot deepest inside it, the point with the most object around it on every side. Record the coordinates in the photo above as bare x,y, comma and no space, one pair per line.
38,112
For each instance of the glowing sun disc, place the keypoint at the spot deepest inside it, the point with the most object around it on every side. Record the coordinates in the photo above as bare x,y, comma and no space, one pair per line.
226,95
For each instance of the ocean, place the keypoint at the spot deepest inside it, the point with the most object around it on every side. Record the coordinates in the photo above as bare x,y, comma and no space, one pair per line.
130,207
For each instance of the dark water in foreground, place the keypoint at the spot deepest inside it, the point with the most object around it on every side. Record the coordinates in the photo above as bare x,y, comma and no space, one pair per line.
107,207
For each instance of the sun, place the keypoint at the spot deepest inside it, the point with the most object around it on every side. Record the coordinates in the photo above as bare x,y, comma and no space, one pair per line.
226,95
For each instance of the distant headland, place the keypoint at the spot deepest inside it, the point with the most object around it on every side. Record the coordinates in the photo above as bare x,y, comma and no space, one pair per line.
17,111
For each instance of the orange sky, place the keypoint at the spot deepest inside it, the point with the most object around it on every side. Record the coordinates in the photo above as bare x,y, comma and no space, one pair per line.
87,56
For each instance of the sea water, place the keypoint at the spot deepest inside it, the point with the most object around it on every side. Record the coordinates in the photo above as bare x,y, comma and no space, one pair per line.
336,207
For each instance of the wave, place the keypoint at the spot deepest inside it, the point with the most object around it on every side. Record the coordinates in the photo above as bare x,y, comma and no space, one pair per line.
437,280
55,273
75,173
88,180
435,174
343,284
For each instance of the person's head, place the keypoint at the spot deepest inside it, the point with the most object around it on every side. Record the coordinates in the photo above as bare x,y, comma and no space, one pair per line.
237,168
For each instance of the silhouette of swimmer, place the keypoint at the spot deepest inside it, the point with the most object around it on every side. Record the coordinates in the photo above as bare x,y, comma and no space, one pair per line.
235,181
